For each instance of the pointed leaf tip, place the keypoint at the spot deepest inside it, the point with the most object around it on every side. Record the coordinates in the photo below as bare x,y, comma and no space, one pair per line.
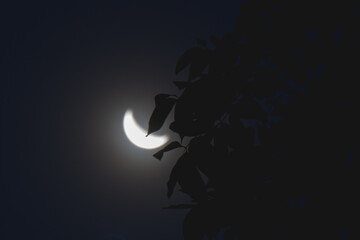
163,106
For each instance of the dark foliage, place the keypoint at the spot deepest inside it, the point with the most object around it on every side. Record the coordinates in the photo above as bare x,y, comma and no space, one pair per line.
163,106
270,110
169,147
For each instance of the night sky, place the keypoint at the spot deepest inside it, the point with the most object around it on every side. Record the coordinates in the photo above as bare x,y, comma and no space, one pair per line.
69,72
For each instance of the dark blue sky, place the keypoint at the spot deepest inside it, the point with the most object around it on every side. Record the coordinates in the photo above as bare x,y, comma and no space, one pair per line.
69,71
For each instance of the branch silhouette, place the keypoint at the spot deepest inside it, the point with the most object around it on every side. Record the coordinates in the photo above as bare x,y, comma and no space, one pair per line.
270,109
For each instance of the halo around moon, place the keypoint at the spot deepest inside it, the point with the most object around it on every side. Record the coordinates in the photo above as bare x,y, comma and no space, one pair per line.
136,134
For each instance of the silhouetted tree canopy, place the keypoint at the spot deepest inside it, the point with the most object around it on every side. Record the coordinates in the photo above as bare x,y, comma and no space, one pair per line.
270,113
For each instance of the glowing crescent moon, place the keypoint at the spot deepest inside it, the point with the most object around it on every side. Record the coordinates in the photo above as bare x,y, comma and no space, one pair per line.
136,134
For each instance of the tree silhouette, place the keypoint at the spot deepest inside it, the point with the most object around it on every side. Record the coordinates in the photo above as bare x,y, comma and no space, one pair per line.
270,113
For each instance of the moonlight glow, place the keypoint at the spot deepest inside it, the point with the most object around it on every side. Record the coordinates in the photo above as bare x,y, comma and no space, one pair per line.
136,134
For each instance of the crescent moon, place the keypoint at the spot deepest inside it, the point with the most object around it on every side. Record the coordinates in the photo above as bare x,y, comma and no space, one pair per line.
136,134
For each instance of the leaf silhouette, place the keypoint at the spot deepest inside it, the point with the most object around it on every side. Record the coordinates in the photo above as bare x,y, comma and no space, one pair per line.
195,109
181,85
163,105
187,58
185,173
248,108
203,155
169,147
199,63
193,226
175,174
192,183
180,206
186,128
263,120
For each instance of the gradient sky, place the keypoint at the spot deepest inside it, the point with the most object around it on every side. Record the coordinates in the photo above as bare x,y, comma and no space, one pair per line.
69,72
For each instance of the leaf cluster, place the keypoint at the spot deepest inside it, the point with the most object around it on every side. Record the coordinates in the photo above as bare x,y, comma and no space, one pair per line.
269,109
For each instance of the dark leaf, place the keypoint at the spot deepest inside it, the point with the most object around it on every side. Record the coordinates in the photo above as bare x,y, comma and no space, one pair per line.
181,206
254,167
163,105
203,155
187,58
176,172
169,147
196,108
198,64
248,108
189,179
200,145
193,226
186,128
206,218
192,183
182,85
160,98
221,140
